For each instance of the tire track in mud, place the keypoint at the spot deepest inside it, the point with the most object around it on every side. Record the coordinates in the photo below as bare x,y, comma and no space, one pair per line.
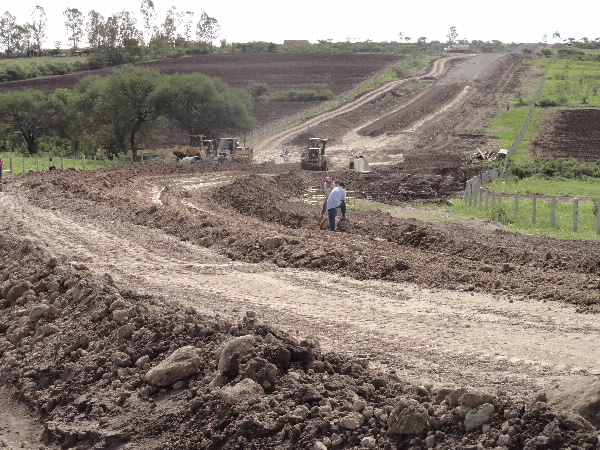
427,336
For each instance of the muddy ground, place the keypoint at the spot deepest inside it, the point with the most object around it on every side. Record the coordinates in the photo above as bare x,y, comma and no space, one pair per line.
200,306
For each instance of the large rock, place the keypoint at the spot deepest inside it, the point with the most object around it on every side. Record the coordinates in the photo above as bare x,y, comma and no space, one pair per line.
239,346
408,417
578,394
478,416
474,399
180,365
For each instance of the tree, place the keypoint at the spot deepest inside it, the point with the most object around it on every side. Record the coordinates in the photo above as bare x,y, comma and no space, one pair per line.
401,36
8,23
187,25
169,26
556,35
31,114
204,105
94,28
207,29
121,104
74,24
452,35
149,17
38,27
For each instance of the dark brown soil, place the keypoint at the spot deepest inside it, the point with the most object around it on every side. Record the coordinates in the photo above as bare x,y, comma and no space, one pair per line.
570,134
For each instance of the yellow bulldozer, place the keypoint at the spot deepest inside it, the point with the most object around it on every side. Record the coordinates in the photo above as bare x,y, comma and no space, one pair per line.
198,147
229,149
313,157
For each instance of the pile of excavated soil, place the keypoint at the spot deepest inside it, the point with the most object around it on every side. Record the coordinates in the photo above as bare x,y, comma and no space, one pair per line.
107,368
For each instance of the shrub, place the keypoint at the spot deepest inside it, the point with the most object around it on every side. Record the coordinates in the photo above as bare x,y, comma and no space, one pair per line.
318,92
543,102
258,89
521,172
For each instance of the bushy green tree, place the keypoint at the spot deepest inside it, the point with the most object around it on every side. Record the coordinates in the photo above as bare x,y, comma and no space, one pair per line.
204,105
120,104
32,114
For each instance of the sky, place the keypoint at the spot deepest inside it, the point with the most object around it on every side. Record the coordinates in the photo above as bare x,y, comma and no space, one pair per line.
342,20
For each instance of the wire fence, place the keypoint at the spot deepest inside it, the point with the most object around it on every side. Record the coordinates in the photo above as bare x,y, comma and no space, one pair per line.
577,214
22,164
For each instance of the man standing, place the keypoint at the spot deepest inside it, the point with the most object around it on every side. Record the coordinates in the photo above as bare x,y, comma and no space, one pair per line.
328,186
337,199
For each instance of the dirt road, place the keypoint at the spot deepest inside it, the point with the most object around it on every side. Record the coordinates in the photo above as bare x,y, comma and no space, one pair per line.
496,342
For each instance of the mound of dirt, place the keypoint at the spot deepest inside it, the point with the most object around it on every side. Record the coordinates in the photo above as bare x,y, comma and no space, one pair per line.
108,368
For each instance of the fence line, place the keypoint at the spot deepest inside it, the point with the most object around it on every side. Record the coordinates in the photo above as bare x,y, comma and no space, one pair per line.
113,159
477,196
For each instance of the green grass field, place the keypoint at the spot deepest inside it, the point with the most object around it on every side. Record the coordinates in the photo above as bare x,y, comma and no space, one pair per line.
15,163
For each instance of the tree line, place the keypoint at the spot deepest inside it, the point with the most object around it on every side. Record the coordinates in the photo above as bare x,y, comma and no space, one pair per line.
119,31
112,112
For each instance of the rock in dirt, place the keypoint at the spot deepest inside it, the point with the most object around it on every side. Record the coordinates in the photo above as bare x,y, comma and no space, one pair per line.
407,417
241,391
479,416
581,394
239,345
181,364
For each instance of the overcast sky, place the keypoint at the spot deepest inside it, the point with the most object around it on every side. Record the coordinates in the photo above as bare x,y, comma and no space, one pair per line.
275,20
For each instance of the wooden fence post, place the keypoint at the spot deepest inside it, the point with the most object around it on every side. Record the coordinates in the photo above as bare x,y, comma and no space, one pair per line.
480,201
575,214
533,209
24,157
37,162
516,210
84,166
10,164
598,217
553,212
62,162
486,198
467,189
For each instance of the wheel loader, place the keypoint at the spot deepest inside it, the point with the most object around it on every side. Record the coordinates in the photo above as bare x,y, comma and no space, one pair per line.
313,158
198,148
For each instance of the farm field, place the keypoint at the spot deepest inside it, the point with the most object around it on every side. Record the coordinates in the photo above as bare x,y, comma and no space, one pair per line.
392,333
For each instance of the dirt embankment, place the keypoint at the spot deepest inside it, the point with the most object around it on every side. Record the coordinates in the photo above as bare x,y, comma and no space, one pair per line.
153,259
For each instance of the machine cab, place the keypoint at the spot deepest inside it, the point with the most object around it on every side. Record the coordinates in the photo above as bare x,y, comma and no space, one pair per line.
316,147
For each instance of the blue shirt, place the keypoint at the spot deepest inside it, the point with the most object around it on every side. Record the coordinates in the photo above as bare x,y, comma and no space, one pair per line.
336,197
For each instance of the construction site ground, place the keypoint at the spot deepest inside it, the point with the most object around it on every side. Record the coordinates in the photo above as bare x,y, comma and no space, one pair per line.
394,332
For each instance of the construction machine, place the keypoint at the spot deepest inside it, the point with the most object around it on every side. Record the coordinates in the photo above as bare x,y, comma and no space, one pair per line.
313,157
229,149
198,148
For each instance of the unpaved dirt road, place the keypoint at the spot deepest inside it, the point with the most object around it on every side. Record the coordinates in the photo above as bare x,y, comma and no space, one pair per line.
496,342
